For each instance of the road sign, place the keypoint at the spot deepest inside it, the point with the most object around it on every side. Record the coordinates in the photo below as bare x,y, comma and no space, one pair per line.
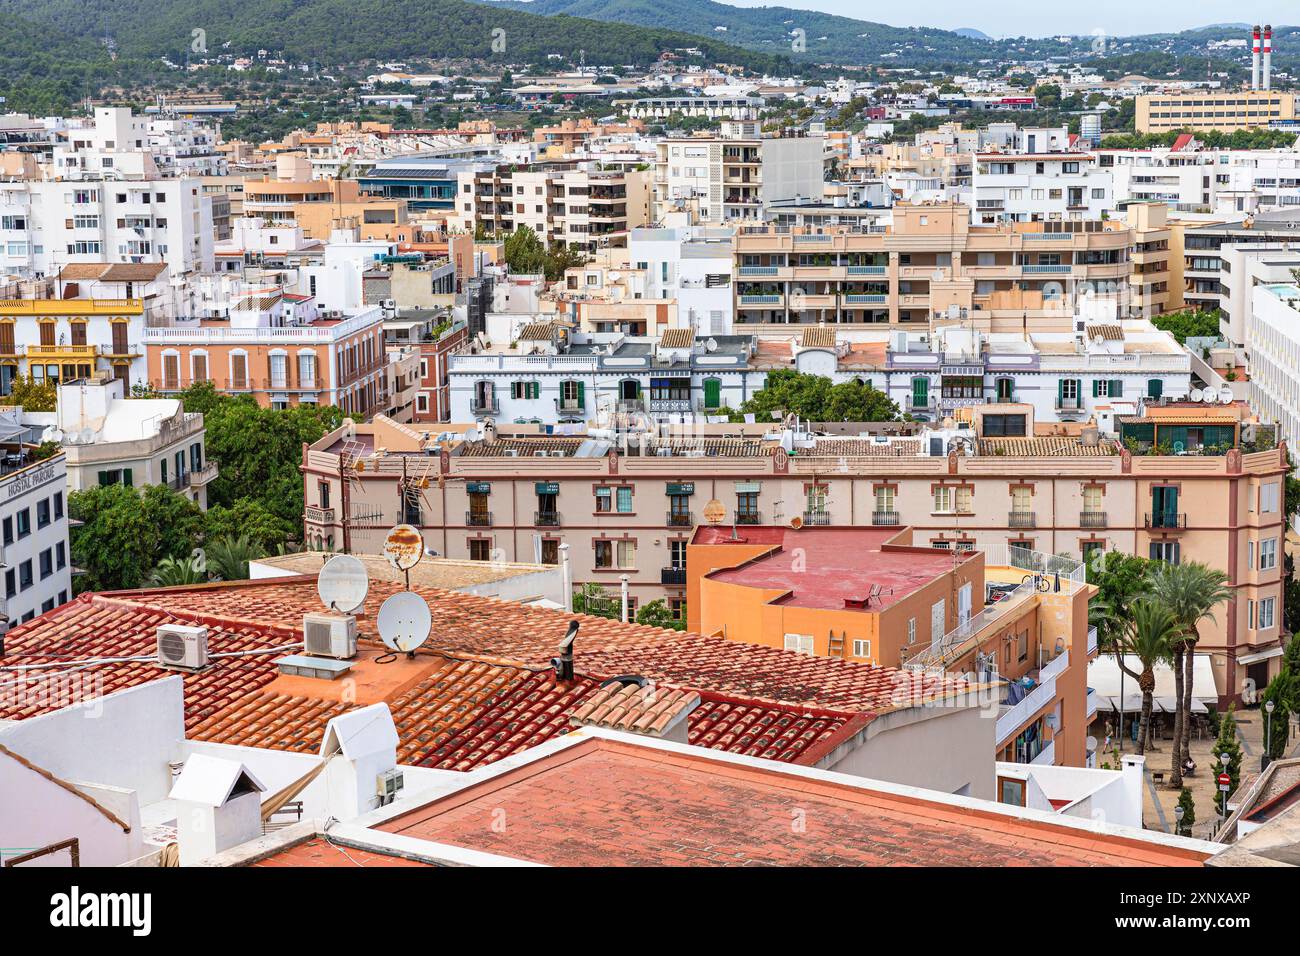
1224,781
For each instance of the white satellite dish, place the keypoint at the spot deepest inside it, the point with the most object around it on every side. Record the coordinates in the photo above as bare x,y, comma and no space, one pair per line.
1210,397
404,621
1225,396
711,345
342,584
1197,395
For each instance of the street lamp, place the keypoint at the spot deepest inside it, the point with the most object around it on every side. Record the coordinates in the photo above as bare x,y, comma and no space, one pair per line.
1224,759
1268,732
1178,821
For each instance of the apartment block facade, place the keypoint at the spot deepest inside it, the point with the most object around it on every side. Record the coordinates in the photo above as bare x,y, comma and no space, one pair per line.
1225,111
57,340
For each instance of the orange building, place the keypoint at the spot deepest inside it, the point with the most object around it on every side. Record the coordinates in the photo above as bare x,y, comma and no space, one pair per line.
868,594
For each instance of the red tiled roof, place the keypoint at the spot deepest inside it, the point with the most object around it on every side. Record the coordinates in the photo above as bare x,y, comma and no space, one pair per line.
320,852
481,690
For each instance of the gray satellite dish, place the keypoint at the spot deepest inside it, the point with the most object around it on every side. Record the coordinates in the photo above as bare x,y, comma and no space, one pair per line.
342,584
1210,397
1197,395
404,621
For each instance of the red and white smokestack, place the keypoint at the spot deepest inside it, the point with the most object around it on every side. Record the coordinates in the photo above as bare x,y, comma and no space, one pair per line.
1268,57
1255,57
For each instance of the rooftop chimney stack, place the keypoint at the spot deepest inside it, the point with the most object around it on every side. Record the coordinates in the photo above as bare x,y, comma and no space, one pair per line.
1268,57
1254,58
563,665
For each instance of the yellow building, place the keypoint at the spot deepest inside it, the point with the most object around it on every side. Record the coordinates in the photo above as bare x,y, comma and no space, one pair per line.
1203,110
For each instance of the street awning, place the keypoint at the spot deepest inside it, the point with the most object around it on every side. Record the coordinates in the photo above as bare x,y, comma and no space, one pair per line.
1259,656
1104,677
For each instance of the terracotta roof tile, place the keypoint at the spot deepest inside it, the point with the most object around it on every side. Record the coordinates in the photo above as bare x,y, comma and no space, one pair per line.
818,337
866,448
1052,446
646,710
677,338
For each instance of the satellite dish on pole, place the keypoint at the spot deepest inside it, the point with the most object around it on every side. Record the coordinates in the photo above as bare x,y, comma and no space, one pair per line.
404,547
342,583
404,622
715,512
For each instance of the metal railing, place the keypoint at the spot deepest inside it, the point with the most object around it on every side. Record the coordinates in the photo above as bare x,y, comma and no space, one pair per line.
1092,519
546,519
817,517
674,576
1021,519
680,519
1166,520
884,518
478,519
748,518
956,644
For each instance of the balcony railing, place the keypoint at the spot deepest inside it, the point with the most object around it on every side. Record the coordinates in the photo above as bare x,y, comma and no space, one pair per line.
817,517
478,519
884,518
748,517
1092,519
674,576
680,519
201,476
546,519
1092,640
1021,519
1069,404
485,406
315,515
1166,520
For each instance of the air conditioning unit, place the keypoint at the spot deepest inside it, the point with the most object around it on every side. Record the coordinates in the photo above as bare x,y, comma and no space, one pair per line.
330,635
388,784
182,647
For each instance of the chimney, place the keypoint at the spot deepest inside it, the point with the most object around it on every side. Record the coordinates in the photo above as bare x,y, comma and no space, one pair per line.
563,664
361,747
634,705
1254,58
1268,56
218,806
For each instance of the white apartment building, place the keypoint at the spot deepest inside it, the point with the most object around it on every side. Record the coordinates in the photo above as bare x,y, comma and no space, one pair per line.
714,107
185,147
1204,180
114,145
109,439
34,551
551,377
721,179
1245,266
47,225
1039,187
692,265
1273,331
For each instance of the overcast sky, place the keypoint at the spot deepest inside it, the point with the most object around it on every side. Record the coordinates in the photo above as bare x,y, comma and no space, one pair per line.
1020,18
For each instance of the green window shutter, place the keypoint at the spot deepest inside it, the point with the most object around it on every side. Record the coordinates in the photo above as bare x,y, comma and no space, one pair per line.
712,393
1155,387
1096,388
103,478
537,389
1060,391
920,391
1116,387
126,478
582,395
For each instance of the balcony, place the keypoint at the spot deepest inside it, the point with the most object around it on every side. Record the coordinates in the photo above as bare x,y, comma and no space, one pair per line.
1069,404
759,270
680,519
1021,519
1047,756
316,515
747,517
673,576
817,517
1046,269
670,404
1091,710
760,299
1092,642
485,406
201,476
855,299
1015,717
569,405
884,519
546,519
478,519
1092,519
866,270
1166,521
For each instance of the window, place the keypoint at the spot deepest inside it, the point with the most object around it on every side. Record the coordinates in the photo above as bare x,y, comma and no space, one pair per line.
1022,500
938,618
11,584
1268,554
747,507
480,549
60,557
525,390
1155,387
885,499
24,521
1011,791
952,499
624,500
861,648
626,552
1107,388
911,630
47,563
604,500
604,554
1268,497
25,575
1166,551
1266,610
1092,499
677,554
799,643
1004,425
1022,646
9,530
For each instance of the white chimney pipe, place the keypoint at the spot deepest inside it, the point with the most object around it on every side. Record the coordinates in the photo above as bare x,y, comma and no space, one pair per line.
567,577
1268,57
1254,58
623,580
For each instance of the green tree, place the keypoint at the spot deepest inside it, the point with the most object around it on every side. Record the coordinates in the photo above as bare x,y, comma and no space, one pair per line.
1188,806
124,534
34,396
656,613
1191,592
1189,323
1280,692
228,558
525,253
176,571
593,599
1227,743
249,517
1151,628
815,398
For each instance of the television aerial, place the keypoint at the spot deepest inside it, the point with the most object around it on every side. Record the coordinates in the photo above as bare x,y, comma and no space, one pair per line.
404,622
342,584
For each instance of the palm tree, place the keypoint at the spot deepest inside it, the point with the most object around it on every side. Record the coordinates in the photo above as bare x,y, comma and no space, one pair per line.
1191,592
228,557
171,572
1151,627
